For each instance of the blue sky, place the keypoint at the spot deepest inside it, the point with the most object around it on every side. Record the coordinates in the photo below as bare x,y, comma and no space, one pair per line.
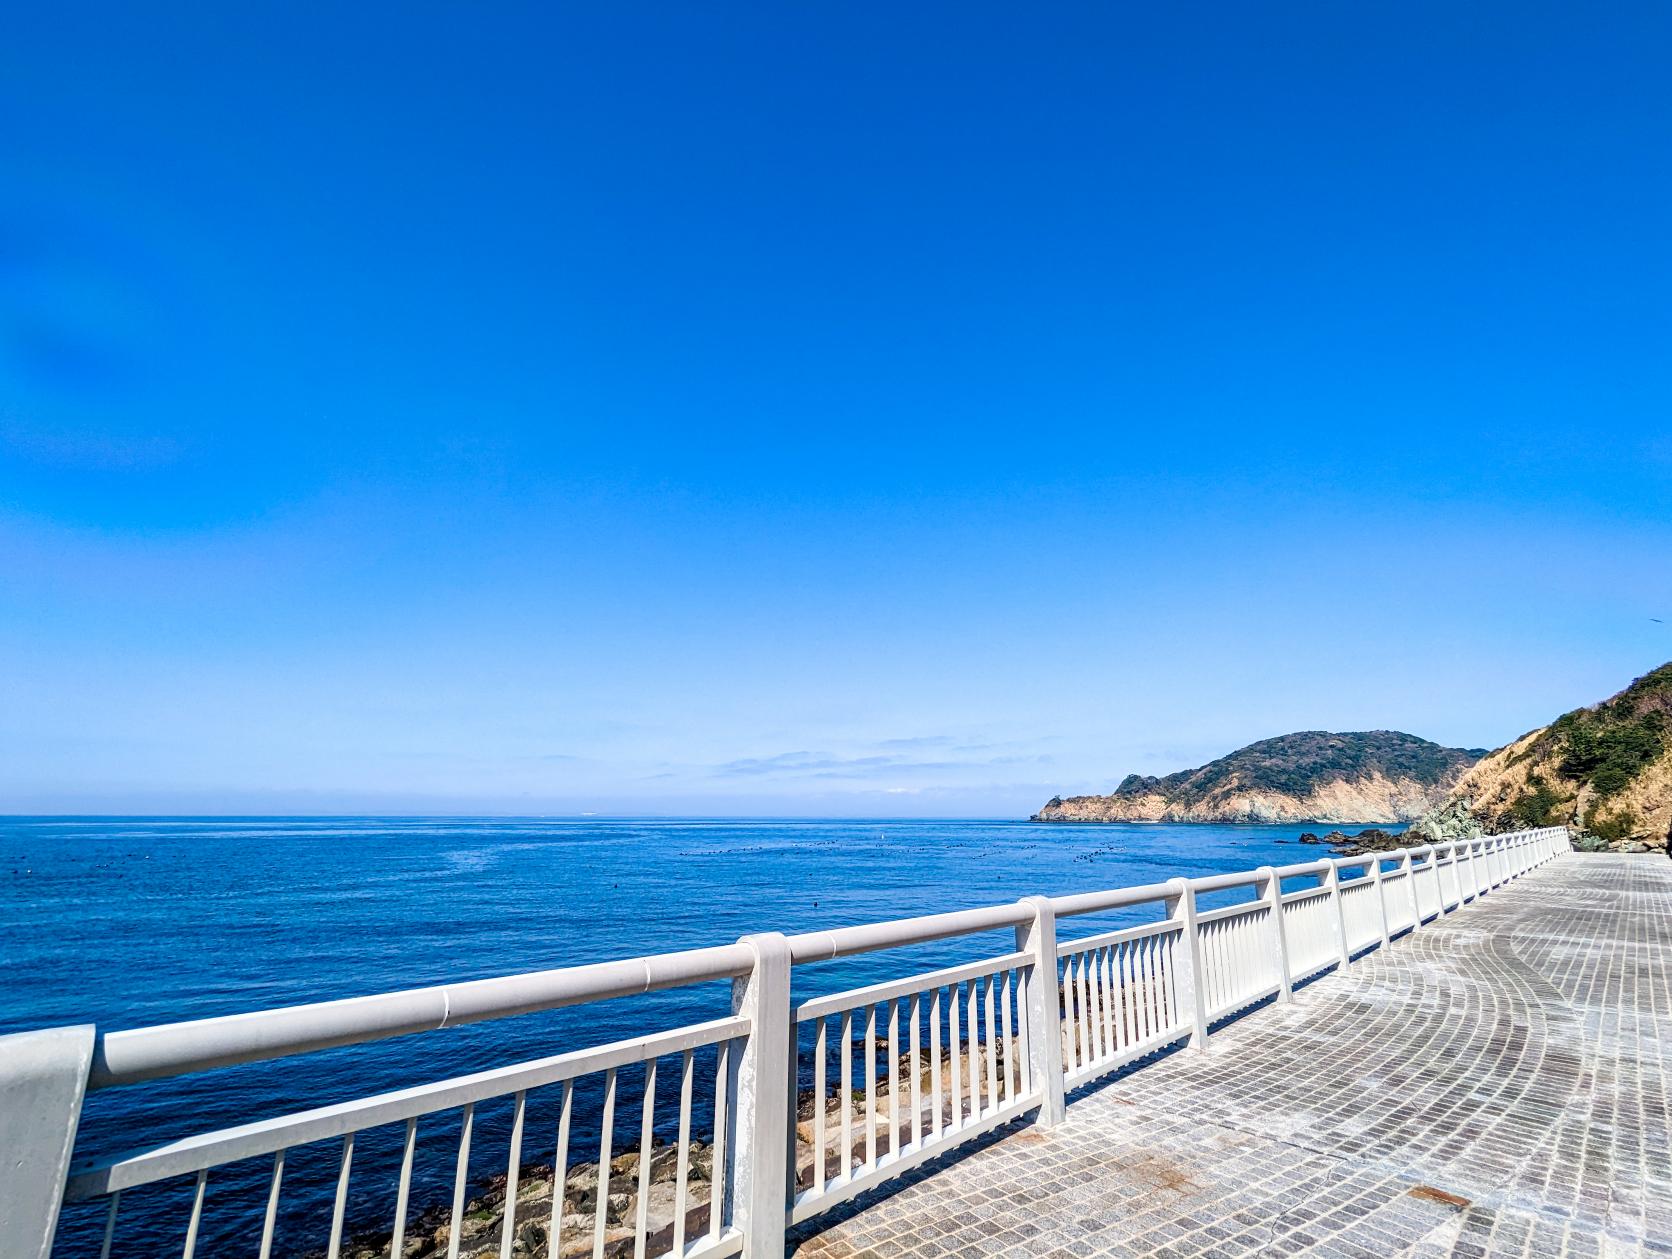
815,410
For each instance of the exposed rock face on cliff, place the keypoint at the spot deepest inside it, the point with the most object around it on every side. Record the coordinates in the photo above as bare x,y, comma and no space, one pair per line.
1607,769
1314,776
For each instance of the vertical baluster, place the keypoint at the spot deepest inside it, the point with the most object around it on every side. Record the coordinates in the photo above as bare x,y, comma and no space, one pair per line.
403,1190
601,1208
1236,931
1227,981
1152,989
1229,962
1160,948
1024,1051
1138,949
1217,969
868,1070
560,1169
1233,959
1071,1051
916,1069
819,1103
197,1213
110,1222
935,1059
1094,1006
893,1073
1106,973
1106,999
341,1203
1177,1015
1088,1005
513,1172
1065,988
1209,968
1247,959
1117,1005
1238,968
1123,995
954,1048
647,1133
460,1177
1164,963
1087,1015
972,1033
717,1174
847,1093
992,1045
1009,1043
268,1219
682,1178
1126,970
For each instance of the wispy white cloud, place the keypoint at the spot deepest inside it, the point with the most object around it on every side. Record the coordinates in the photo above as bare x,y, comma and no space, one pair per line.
861,767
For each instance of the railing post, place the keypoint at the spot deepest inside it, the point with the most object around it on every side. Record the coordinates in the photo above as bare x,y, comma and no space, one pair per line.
1043,1010
761,1096
43,1077
1271,891
1456,875
1409,867
1331,878
1188,979
1476,874
1381,899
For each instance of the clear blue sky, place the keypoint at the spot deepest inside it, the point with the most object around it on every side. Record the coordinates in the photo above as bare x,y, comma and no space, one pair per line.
815,409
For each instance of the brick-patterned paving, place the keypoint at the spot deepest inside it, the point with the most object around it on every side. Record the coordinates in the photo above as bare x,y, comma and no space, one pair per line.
1495,1084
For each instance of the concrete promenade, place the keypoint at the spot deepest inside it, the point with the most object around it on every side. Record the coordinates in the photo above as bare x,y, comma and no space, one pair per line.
1495,1084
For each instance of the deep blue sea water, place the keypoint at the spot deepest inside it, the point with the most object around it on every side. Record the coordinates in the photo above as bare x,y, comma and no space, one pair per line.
126,922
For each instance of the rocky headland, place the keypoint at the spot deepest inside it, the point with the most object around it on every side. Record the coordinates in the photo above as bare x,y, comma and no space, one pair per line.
1604,771
1381,776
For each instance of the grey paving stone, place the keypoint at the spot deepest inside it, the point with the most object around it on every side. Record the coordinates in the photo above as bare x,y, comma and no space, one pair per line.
1494,1084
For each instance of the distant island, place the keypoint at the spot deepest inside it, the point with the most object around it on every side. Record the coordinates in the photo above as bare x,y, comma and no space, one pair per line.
1368,776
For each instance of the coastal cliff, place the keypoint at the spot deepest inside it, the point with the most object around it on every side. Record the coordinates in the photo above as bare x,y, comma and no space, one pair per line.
1606,769
1312,776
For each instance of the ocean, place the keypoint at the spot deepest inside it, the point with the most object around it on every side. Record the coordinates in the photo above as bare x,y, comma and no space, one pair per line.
126,922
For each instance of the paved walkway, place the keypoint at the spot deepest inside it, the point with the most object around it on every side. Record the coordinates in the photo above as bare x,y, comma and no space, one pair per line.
1496,1084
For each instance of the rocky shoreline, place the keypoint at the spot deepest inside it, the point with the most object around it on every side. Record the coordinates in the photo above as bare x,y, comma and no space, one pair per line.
1371,839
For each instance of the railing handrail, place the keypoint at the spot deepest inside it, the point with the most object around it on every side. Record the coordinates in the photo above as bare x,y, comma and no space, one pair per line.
168,1049
266,1136
171,1049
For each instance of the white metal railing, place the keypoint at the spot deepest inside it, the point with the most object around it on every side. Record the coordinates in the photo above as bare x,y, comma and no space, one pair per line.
962,1051
1120,999
922,1101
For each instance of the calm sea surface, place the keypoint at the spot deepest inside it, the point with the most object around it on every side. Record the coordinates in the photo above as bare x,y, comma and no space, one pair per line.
129,922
